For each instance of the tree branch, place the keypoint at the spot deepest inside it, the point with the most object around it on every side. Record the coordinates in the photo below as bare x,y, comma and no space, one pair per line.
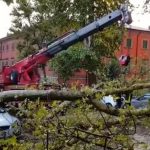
44,95
50,95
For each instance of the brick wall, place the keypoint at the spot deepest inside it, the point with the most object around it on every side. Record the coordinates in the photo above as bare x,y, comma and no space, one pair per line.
8,51
136,43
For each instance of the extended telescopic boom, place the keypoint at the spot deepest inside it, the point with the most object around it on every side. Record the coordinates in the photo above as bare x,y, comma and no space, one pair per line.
122,14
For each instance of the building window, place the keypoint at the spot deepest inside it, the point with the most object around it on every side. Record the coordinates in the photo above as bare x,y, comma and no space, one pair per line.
6,63
7,47
3,48
3,63
12,61
129,43
145,44
13,46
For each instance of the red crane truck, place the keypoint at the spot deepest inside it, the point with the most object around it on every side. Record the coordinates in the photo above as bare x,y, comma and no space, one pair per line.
25,72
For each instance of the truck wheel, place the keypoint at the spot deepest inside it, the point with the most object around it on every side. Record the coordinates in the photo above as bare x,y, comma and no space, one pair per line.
14,77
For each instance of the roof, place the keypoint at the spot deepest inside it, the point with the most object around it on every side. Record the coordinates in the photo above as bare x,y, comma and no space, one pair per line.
138,28
7,38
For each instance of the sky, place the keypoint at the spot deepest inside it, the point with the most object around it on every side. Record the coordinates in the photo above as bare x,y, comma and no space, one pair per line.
139,20
5,19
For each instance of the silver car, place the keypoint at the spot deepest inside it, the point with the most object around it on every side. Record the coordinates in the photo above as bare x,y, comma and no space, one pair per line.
142,101
9,125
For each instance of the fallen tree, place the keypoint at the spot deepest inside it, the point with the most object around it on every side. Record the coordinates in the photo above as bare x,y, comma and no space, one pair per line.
66,95
51,95
89,123
43,95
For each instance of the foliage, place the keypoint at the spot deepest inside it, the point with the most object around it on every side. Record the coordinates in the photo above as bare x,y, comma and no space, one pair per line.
32,23
113,69
8,2
76,125
82,58
69,125
146,5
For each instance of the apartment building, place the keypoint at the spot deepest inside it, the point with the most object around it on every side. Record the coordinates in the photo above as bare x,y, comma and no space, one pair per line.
8,51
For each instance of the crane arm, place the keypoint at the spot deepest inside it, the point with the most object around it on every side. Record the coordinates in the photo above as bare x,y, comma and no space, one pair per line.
121,14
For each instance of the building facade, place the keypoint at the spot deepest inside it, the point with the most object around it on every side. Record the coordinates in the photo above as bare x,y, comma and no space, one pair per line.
8,51
136,44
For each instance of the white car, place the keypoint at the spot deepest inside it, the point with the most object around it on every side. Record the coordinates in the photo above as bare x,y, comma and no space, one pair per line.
109,101
9,125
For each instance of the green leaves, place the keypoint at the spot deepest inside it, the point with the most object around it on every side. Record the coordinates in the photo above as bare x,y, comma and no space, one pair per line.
113,70
8,1
67,62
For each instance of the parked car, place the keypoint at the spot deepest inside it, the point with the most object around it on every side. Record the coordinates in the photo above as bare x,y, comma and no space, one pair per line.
142,101
9,125
109,101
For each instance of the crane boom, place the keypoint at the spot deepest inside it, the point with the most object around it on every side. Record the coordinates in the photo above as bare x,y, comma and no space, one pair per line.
121,14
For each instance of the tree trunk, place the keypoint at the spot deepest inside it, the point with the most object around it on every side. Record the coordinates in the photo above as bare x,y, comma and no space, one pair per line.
65,95
44,95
